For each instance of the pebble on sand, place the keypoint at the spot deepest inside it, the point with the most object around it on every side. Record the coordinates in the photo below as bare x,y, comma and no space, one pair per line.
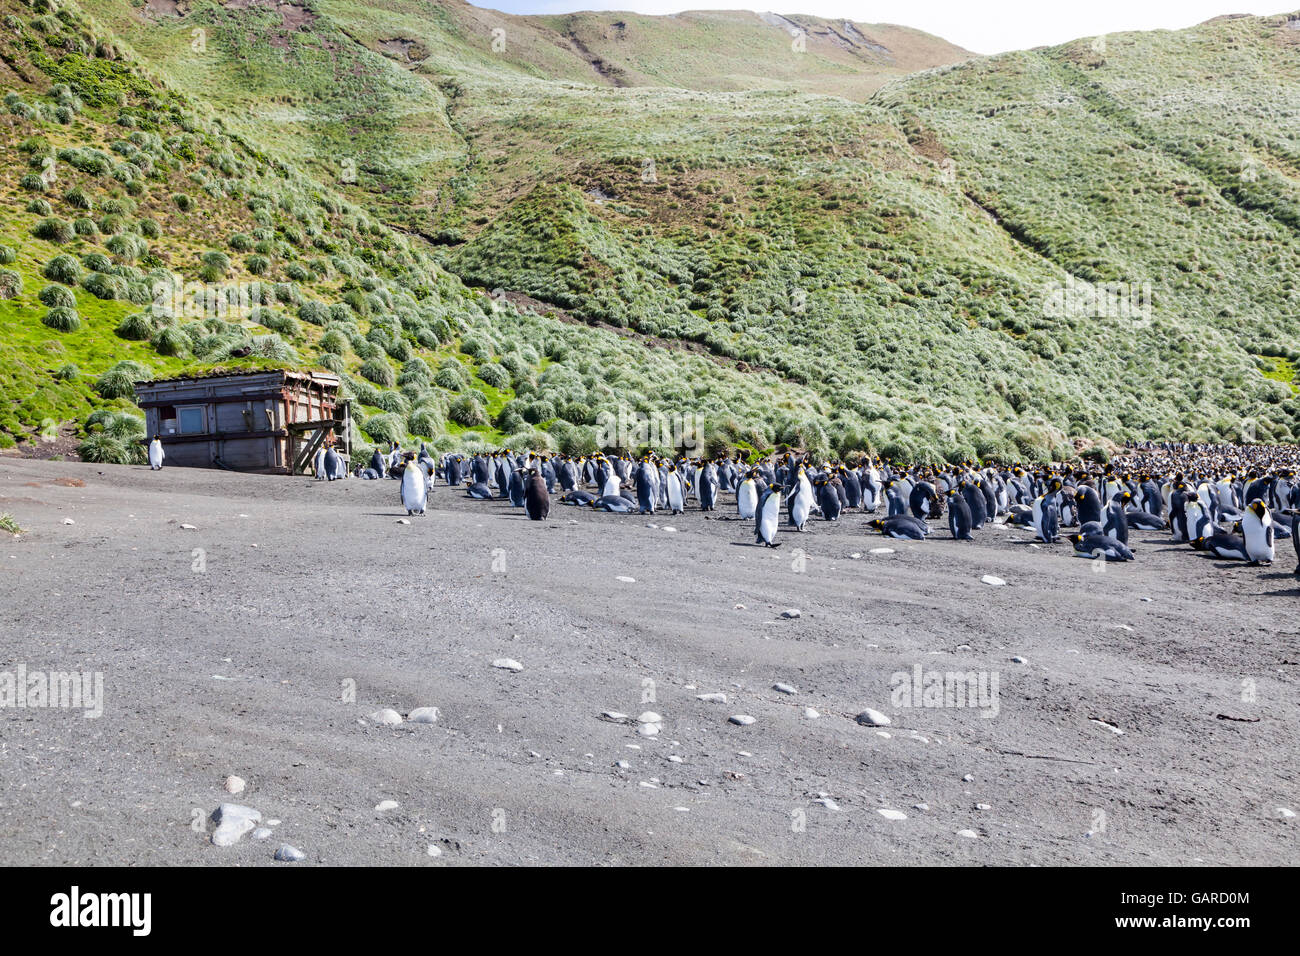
968,834
507,664
882,551
262,833
648,730
1286,813
233,821
423,715
403,521
744,720
289,854
993,580
712,698
68,521
234,784
625,579
386,717
791,613
810,713
969,778
783,688
434,850
873,718
649,717
892,814
828,803
385,805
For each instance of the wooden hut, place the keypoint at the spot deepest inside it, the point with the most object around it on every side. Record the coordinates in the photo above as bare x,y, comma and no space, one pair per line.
270,421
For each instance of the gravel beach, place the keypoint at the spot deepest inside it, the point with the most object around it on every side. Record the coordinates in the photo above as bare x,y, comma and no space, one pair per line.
257,627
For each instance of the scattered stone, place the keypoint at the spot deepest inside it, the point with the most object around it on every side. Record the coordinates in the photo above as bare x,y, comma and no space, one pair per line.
1107,724
68,521
968,834
884,733
423,715
650,717
828,803
873,718
982,806
648,785
1018,660
738,607
712,698
791,613
233,821
856,555
289,854
920,806
892,814
434,850
669,530
651,524
403,521
235,784
784,689
508,664
615,716
648,730
385,805
262,833
993,580
622,764
744,720
386,717
810,713
674,758
882,551
1286,813
625,579
969,778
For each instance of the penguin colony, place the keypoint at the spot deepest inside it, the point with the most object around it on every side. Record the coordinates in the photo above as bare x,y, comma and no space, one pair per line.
1231,502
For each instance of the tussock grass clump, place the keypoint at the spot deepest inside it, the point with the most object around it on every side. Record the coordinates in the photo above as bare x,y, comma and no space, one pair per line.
63,268
62,319
119,381
378,371
9,524
137,327
11,284
468,410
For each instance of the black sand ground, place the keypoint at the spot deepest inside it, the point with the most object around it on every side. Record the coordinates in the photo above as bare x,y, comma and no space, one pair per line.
241,666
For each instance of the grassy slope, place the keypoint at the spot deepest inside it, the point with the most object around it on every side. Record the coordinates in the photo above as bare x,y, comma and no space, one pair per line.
392,304
887,261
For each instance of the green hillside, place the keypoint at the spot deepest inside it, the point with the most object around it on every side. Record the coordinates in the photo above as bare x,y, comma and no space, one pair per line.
812,244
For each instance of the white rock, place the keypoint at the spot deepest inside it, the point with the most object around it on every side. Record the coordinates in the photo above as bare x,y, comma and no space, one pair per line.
969,778
434,850
669,530
892,814
272,823
233,821
622,764
289,854
828,803
968,834
884,733
982,806
403,521
650,717
386,717
994,580
791,613
507,664
873,718
262,833
855,555
1018,660
385,805
648,730
1286,814
810,713
614,715
1107,724
712,698
783,688
744,720
235,784
882,551
68,521
920,806
674,758
651,524
625,579
189,527
423,715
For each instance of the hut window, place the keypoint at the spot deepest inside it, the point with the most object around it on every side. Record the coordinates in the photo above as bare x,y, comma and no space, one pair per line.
190,419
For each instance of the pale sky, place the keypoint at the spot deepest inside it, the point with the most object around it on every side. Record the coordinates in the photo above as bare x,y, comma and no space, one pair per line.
982,26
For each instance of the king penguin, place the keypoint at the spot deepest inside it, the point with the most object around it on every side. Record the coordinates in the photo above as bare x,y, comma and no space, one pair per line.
537,501
415,489
767,517
747,497
1257,529
155,454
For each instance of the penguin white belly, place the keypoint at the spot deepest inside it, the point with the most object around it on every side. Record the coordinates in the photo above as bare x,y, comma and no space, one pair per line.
1259,538
767,524
799,511
747,499
675,492
414,491
155,454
